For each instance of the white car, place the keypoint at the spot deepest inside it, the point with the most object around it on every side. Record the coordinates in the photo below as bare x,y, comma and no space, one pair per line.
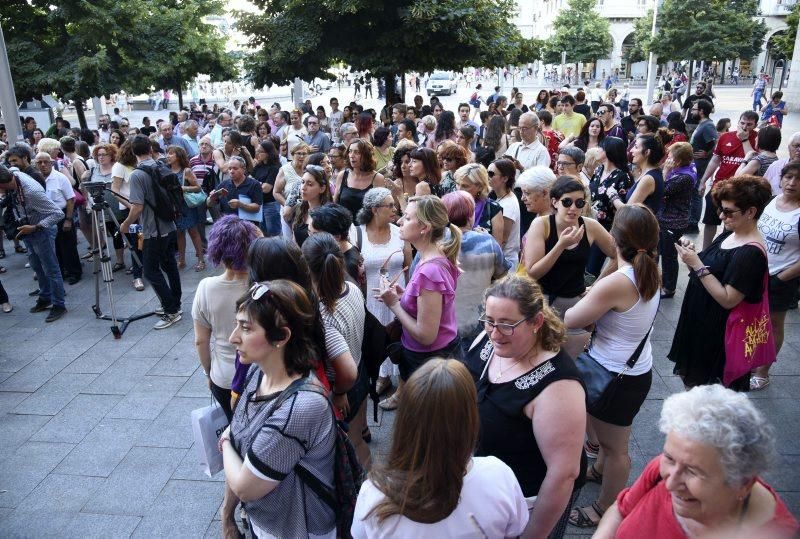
441,83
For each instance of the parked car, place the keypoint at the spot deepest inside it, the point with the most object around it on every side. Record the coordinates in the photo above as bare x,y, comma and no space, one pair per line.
441,83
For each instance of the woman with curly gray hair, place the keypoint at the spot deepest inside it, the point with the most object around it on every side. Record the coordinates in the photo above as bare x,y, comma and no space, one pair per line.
378,239
707,480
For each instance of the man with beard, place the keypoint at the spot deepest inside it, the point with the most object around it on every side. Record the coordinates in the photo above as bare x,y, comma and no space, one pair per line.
699,93
703,140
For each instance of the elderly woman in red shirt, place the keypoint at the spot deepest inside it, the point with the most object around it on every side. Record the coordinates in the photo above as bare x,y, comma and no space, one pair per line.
707,482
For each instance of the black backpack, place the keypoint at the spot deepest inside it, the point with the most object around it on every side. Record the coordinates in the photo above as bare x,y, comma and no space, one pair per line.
167,191
211,180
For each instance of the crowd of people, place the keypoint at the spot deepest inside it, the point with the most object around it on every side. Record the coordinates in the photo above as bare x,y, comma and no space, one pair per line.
506,249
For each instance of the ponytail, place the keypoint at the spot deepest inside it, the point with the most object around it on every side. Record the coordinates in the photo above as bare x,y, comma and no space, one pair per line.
326,264
452,246
553,333
645,269
635,231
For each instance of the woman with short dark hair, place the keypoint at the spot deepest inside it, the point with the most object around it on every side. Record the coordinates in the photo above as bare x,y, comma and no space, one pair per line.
756,162
352,183
730,271
283,404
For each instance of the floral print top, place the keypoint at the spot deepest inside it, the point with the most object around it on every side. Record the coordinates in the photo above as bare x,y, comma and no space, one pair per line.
604,210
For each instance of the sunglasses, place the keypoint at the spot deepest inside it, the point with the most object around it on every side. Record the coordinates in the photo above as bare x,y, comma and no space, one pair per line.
258,290
567,202
491,173
727,212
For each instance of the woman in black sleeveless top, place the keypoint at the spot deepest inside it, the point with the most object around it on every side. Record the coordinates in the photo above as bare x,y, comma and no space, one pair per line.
531,400
353,183
557,251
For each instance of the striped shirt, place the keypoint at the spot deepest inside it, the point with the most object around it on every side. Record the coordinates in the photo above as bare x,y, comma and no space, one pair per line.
34,203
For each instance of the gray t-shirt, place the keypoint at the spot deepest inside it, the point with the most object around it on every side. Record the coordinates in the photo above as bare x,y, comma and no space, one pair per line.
141,191
704,138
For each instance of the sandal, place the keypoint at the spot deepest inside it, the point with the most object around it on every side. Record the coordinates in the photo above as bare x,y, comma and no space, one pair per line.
181,264
20,249
366,435
581,519
200,266
593,476
118,266
390,404
757,383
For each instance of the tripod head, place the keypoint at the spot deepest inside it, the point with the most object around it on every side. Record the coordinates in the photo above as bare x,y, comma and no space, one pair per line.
96,191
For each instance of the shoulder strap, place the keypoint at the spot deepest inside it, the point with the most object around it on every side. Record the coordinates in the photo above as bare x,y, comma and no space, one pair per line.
359,237
638,352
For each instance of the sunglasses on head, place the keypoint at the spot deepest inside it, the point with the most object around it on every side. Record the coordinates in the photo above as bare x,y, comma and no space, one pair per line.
567,202
258,290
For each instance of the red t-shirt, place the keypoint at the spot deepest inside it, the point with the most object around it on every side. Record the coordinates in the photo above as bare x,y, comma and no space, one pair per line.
647,505
731,153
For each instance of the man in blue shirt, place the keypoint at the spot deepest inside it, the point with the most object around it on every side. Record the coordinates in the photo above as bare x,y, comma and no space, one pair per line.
168,139
315,138
240,194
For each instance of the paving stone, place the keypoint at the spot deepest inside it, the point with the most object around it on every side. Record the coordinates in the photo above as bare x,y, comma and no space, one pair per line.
173,426
55,394
103,448
148,399
176,363
77,419
9,400
136,482
35,374
188,506
15,430
195,386
782,414
123,376
60,493
190,468
25,525
785,474
26,468
91,525
99,357
645,431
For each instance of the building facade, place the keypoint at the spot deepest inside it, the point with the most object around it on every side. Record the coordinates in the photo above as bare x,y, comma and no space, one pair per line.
622,16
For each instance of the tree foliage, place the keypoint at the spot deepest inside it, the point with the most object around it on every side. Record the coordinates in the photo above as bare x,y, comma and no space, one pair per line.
704,30
77,49
581,32
783,42
296,38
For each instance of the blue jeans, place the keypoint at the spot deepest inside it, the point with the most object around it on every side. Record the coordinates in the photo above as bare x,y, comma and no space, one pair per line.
271,223
757,95
42,256
160,257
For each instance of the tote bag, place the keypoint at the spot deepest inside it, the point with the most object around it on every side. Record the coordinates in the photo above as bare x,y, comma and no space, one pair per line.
749,340
208,423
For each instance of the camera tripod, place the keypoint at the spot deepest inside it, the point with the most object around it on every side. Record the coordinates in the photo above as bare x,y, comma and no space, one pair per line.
102,262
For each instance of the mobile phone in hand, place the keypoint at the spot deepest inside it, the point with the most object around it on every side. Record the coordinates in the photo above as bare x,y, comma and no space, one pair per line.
675,238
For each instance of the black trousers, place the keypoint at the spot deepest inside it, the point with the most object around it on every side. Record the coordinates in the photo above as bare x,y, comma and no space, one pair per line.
159,259
67,250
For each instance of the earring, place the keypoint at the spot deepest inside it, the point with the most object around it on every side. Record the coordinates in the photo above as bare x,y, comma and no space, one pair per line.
277,346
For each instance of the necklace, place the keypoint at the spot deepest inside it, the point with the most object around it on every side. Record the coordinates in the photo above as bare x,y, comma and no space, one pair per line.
500,374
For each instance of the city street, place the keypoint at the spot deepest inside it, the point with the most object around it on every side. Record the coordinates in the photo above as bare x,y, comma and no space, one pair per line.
96,434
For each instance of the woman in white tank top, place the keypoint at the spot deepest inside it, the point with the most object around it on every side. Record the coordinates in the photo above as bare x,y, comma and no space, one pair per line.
622,307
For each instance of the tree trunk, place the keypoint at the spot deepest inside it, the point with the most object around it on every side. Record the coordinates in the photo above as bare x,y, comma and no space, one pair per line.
79,103
392,96
180,96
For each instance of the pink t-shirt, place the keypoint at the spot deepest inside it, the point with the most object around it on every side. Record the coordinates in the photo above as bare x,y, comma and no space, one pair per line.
438,275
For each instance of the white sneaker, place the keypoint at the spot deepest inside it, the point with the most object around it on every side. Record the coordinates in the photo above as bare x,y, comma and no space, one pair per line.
138,284
160,311
167,320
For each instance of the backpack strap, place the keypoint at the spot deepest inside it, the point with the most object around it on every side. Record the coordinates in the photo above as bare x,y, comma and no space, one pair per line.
151,173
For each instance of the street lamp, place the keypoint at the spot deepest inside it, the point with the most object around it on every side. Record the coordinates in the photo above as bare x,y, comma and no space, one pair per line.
8,99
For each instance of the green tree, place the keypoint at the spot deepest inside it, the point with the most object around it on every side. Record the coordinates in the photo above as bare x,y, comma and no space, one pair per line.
783,42
707,29
296,38
77,49
579,31
182,45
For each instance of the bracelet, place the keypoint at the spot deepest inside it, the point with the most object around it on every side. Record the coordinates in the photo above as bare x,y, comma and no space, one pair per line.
221,442
702,271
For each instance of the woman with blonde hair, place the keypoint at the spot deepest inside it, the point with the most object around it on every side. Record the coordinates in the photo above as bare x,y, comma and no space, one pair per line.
474,179
431,485
531,402
425,308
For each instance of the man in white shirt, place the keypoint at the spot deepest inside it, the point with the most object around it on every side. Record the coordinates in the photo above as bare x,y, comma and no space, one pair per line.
530,152
773,173
223,120
59,190
335,119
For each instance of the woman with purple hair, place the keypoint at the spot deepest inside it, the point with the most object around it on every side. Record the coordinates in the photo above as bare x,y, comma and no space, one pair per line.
214,308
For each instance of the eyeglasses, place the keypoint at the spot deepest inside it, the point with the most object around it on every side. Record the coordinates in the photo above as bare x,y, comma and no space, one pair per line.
504,329
728,212
567,202
564,164
102,154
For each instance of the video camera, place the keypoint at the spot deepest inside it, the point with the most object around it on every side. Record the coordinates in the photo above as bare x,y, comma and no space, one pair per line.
95,188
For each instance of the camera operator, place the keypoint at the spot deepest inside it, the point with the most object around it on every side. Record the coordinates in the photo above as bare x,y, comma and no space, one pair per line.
158,255
60,191
37,218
